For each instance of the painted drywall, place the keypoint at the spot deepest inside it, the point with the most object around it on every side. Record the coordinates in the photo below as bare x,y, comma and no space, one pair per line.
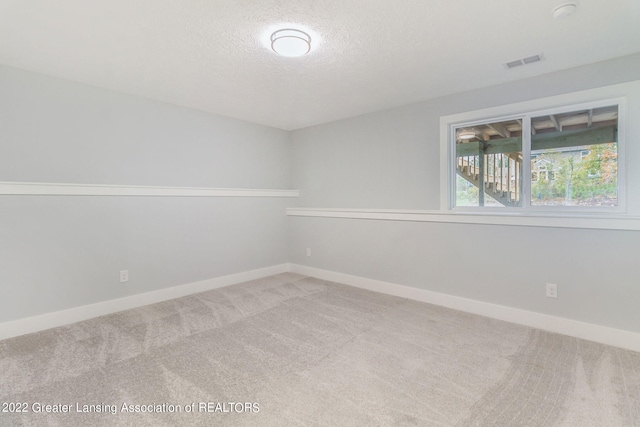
390,160
58,131
59,252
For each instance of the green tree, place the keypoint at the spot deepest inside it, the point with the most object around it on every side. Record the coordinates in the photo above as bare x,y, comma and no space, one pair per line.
577,179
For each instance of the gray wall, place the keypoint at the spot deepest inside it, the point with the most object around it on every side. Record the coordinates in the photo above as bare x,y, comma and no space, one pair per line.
390,160
58,252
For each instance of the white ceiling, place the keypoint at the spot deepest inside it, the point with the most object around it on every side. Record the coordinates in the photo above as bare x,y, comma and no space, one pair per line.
372,54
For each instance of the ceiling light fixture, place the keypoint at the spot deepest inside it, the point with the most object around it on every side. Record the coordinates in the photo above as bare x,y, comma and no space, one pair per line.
465,135
564,9
290,42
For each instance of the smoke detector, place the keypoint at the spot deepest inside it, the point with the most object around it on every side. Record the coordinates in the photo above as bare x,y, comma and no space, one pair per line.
564,9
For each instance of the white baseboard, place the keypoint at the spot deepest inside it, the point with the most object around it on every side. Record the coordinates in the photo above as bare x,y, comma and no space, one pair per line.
77,314
588,331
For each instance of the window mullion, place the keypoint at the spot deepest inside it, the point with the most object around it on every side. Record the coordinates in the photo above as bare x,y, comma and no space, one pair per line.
452,167
526,163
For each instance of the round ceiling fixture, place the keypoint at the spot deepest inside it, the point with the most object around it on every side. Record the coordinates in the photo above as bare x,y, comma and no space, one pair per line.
565,9
290,42
466,135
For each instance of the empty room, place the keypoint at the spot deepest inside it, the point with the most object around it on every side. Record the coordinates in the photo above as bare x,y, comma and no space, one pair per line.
320,213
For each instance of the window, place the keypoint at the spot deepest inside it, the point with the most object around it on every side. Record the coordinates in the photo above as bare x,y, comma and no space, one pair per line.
574,178
562,158
489,157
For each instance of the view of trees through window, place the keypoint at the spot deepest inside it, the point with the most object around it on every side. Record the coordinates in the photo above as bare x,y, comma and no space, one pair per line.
571,178
575,164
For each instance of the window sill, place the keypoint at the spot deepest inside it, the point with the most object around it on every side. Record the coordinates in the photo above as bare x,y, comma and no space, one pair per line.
585,221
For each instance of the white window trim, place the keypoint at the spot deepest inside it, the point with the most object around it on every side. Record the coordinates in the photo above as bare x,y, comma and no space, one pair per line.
608,95
620,102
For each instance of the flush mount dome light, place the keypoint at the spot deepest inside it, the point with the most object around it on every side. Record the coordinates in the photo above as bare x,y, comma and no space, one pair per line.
466,135
290,42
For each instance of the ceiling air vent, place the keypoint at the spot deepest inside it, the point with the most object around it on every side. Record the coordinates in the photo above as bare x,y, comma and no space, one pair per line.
524,61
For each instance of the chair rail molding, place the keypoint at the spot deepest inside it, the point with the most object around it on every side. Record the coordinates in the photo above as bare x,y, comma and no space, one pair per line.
588,221
68,189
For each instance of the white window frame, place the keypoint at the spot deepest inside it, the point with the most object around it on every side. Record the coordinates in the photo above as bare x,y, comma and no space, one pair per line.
576,101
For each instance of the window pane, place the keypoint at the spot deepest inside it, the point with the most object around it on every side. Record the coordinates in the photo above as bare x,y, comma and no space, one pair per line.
574,158
489,164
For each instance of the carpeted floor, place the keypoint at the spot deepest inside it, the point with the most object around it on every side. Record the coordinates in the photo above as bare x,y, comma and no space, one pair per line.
294,350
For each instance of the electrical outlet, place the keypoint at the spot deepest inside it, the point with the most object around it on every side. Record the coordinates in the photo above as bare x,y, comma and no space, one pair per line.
124,276
552,290
308,251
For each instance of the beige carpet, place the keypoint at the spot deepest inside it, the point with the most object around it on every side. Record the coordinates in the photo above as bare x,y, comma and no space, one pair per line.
294,350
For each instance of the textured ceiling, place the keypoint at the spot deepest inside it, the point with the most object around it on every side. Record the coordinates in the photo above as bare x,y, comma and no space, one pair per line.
368,55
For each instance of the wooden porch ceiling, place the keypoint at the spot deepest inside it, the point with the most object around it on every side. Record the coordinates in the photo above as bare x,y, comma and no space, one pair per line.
575,120
544,141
